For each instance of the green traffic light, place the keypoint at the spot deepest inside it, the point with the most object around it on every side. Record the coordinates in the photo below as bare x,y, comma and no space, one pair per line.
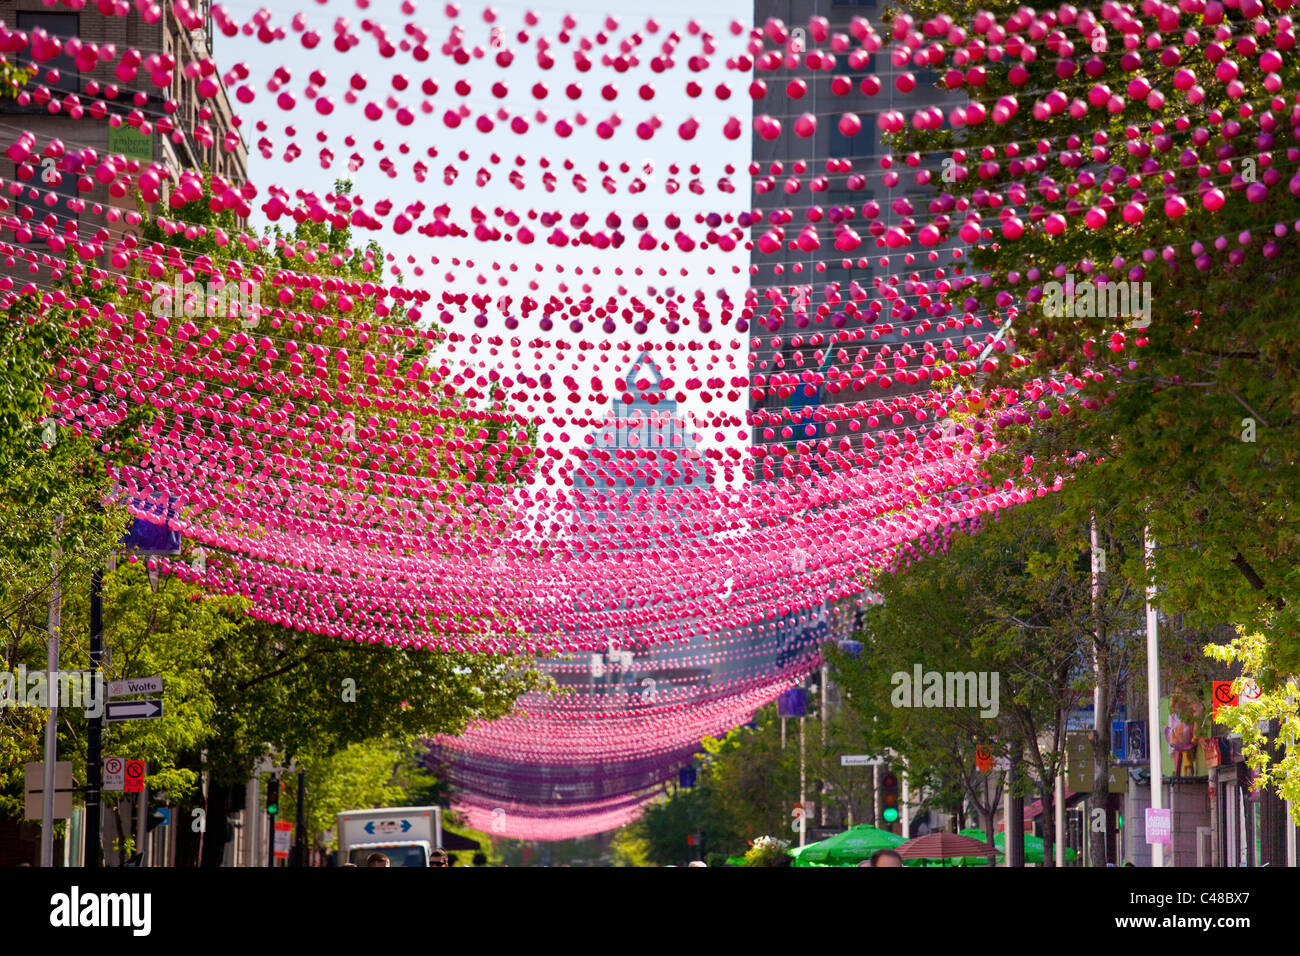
890,815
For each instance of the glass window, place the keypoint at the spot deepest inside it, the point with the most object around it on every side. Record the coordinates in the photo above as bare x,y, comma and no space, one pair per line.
864,144
64,189
63,26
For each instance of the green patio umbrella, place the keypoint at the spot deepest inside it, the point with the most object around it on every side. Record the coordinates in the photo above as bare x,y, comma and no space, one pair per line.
800,855
1033,845
848,848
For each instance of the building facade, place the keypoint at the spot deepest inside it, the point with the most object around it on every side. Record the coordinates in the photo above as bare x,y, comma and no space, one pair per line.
90,96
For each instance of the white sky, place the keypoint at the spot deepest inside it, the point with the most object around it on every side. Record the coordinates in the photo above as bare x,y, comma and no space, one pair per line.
710,149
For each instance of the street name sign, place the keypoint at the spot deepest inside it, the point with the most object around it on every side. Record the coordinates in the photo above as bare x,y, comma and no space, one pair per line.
135,685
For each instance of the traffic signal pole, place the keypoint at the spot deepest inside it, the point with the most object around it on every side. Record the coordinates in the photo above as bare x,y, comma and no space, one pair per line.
272,810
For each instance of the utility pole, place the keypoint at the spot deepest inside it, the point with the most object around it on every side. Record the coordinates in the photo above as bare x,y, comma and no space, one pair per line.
1014,847
52,722
803,822
821,809
142,826
300,835
875,795
906,817
95,728
1153,696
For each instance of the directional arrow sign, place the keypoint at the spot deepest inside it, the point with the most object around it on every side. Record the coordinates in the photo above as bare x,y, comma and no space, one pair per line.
135,685
387,826
133,710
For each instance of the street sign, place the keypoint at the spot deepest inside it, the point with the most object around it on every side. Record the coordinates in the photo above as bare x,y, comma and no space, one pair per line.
1079,769
283,837
135,685
135,771
1117,739
1222,696
859,760
114,774
133,710
1117,780
1158,823
983,758
34,802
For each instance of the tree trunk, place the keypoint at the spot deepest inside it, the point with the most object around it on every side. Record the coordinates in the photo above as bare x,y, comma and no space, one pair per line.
188,842
1048,799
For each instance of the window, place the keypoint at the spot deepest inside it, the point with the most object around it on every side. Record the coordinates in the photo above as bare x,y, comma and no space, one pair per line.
64,189
864,144
63,26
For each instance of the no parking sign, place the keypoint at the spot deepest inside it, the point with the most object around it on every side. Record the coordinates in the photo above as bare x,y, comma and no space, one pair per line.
135,776
114,773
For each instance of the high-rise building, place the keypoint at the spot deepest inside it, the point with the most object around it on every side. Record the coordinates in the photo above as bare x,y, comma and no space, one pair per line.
797,360
91,96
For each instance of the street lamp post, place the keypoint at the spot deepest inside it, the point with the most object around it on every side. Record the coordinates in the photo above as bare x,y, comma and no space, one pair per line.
1153,694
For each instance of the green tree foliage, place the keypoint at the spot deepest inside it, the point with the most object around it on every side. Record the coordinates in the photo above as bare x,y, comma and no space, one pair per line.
358,776
238,689
630,846
1012,599
1194,427
747,786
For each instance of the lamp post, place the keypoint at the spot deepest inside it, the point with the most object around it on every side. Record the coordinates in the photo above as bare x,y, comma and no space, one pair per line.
1153,693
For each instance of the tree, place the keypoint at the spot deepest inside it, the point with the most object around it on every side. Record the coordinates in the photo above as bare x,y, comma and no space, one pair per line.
1189,425
1009,598
238,689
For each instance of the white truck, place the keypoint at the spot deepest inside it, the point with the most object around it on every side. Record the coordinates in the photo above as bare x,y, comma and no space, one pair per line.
406,835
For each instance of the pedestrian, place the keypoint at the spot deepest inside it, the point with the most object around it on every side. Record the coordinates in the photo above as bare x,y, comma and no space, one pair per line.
439,858
377,859
883,857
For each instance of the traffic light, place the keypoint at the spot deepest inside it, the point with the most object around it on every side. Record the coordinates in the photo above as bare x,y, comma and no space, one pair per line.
889,798
273,796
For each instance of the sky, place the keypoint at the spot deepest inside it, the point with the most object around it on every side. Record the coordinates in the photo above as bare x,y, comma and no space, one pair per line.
414,253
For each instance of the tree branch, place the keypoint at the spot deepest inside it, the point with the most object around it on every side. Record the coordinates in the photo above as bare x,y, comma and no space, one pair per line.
1242,565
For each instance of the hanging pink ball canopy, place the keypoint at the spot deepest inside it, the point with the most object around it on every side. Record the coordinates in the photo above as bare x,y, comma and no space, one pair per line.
596,455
